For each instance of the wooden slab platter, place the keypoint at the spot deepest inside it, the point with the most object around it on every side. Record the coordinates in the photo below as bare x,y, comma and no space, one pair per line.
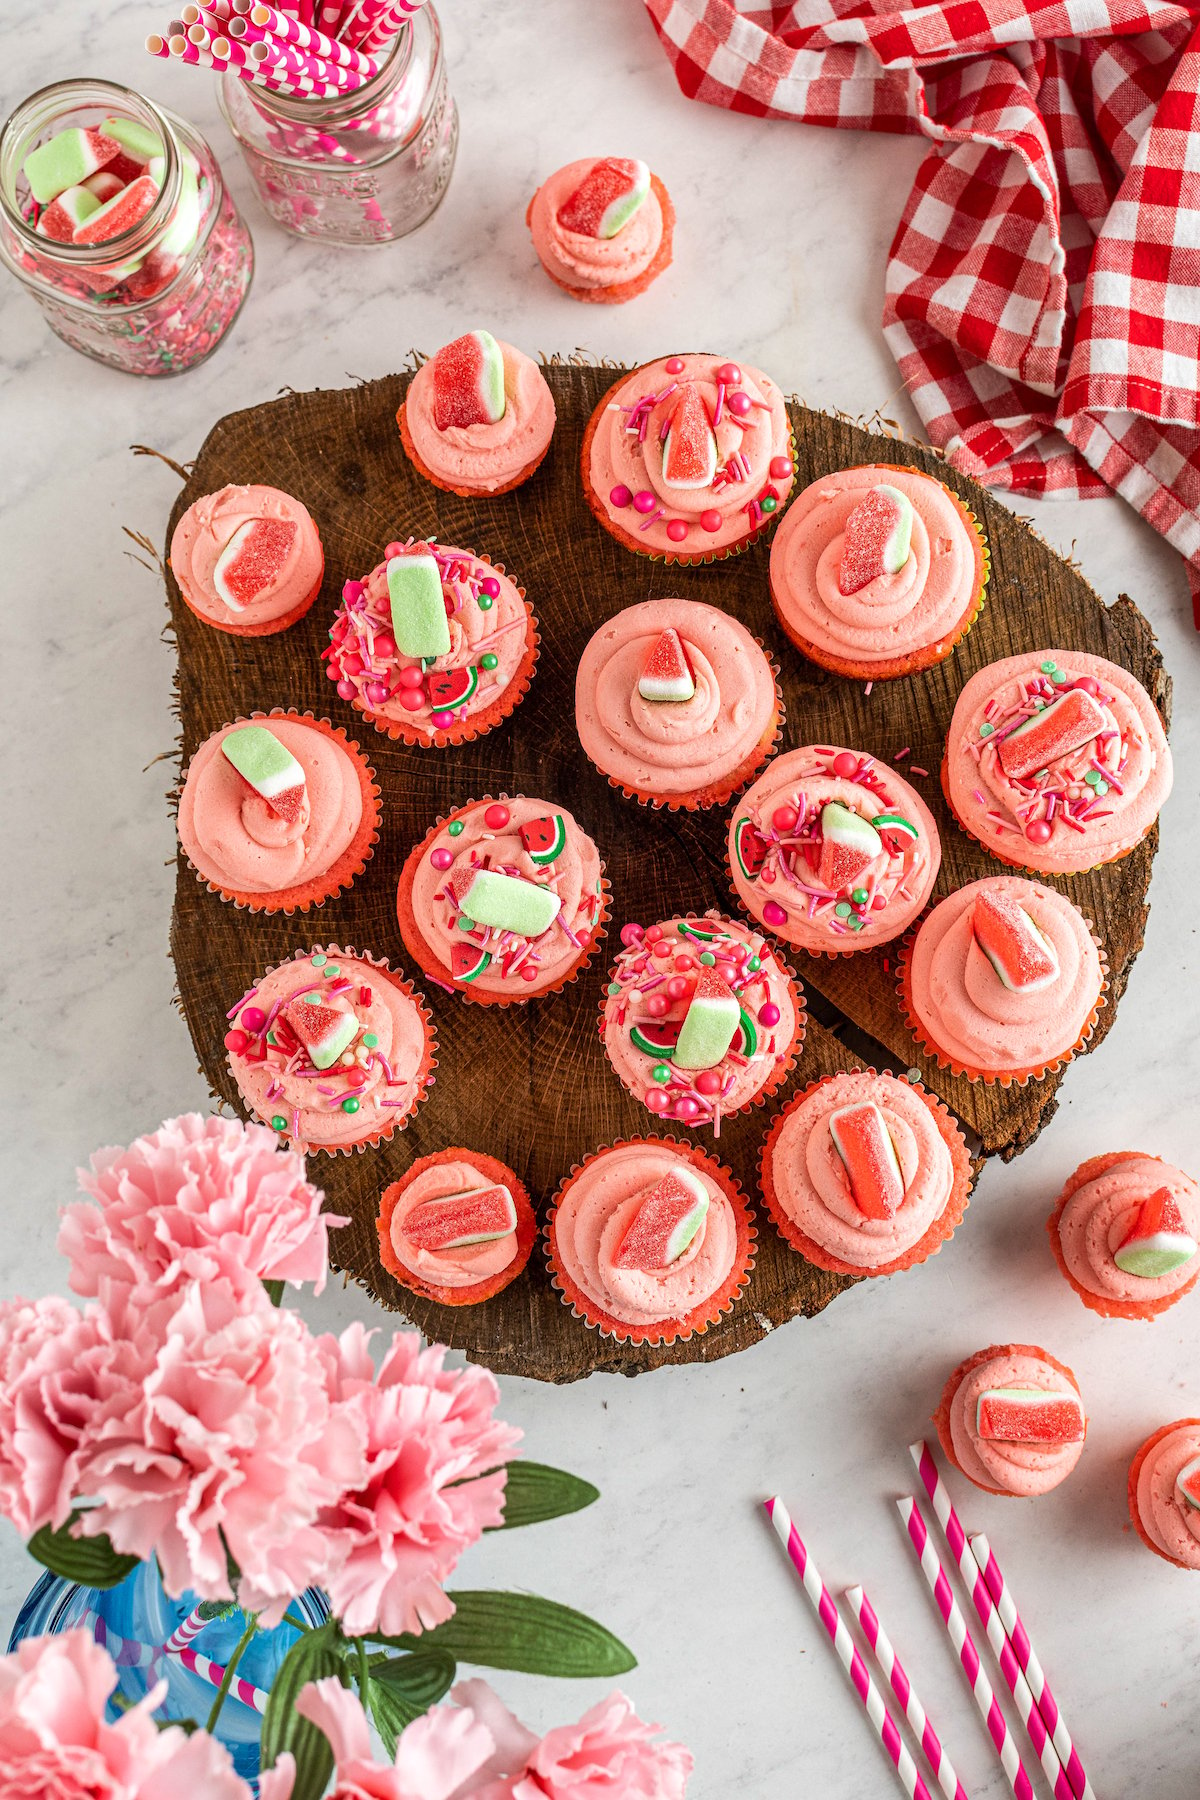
530,1084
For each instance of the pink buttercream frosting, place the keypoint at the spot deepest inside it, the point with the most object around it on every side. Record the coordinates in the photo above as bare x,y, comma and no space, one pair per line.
1022,1470
1099,1215
678,747
482,458
579,261
595,1212
234,839
206,528
457,1268
966,1010
917,608
627,447
811,1185
778,821
1055,820
1167,1519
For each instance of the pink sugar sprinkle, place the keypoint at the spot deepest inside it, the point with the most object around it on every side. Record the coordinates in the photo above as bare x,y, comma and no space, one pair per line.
235,1010
980,798
900,754
402,1102
296,1122
647,523
1000,823
868,688
913,770
720,404
647,985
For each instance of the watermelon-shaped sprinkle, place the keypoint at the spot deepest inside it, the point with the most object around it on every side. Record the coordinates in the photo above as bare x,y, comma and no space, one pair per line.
325,1031
268,767
121,213
876,538
544,839
510,903
468,961
1067,724
452,1221
666,673
607,197
253,560
1030,1416
1187,1482
849,845
418,605
1158,1241
690,450
468,382
749,847
710,1023
864,1144
668,1217
450,688
656,1037
1023,958
63,217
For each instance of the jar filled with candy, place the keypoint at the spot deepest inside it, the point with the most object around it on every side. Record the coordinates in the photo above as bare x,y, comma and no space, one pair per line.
114,215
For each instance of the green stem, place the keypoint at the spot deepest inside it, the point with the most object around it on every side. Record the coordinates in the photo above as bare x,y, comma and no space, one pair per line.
230,1670
295,1623
364,1669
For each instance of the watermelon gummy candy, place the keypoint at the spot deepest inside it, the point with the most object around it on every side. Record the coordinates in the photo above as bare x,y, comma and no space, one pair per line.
876,539
268,767
325,1031
1187,1482
1158,1241
139,143
1030,1416
1067,724
666,674
253,560
607,198
418,604
121,213
63,217
690,450
864,1144
849,845
452,1221
1023,958
510,903
65,160
544,839
103,184
710,1023
468,382
668,1217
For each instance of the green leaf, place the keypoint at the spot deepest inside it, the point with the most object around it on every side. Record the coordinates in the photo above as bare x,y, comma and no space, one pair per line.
523,1631
401,1688
90,1561
316,1654
274,1292
535,1492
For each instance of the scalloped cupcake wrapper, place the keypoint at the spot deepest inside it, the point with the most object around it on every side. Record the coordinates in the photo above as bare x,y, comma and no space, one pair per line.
268,627
665,1331
345,870
1101,1304
941,1418
621,291
1025,868
426,1069
466,493
939,1232
1131,1488
478,1291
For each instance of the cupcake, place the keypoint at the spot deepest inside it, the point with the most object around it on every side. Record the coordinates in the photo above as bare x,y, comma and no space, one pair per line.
676,703
1056,761
700,1019
456,1228
688,458
435,646
877,571
833,850
865,1174
1164,1493
248,560
503,901
1003,981
477,418
278,812
1012,1421
650,1241
602,228
333,1050
1126,1234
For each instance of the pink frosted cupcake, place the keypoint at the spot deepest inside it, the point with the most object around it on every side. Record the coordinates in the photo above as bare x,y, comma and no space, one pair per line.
1056,761
1011,1420
1003,981
1164,1493
602,228
676,703
832,850
1126,1234
248,560
688,458
478,417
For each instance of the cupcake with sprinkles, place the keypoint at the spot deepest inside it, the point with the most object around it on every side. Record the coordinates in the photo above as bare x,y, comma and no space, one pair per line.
1011,1420
833,851
477,418
700,1018
1126,1234
458,1227
650,1241
248,560
1164,1493
333,1050
435,646
1056,761
865,1173
689,458
503,901
602,228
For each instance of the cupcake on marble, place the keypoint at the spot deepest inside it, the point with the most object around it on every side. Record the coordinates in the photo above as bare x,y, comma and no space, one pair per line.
477,418
248,560
1164,1493
1126,1234
457,1227
832,851
1011,1420
602,228
677,703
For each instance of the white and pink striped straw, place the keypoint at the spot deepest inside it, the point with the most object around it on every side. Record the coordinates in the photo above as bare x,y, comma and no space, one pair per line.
214,1674
944,1772
826,1610
184,1632
127,1653
968,1655
280,25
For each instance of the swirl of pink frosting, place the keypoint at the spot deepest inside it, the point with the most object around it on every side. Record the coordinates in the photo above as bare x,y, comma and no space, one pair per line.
1098,1217
487,456
785,893
1055,820
685,746
233,838
627,449
579,261
468,1263
596,1210
965,1008
206,528
810,1181
1022,1470
915,609
1168,1520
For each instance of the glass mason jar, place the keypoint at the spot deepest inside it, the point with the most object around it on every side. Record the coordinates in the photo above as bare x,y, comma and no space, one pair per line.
158,297
366,167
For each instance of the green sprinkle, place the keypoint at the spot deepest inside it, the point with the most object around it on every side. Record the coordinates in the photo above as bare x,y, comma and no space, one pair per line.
1102,788
1050,668
769,504
842,909
856,924
485,603
272,1039
1093,777
660,1073
455,828
754,962
1042,775
319,959
350,1105
1059,679
707,958
332,971
614,987
370,1039
986,730
490,661
465,924
279,1123
859,896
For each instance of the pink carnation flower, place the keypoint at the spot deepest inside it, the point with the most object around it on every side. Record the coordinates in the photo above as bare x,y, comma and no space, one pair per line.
438,1756
609,1755
56,1368
197,1200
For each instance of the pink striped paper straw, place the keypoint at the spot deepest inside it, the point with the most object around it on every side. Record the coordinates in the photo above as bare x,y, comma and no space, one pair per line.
1026,1655
968,1656
214,1674
939,1761
388,23
279,25
279,58
826,1610
127,1653
184,1632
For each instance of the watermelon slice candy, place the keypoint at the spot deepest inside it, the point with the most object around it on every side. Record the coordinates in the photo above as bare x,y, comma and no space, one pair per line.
1187,1482
468,382
1158,1241
710,1023
455,1221
876,538
452,688
325,1031
666,676
268,768
849,845
658,1037
253,560
468,961
668,1216
1067,724
1023,958
1030,1416
749,847
544,839
607,198
690,447
864,1145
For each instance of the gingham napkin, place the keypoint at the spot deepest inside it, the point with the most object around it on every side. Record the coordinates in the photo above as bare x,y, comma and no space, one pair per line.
1043,286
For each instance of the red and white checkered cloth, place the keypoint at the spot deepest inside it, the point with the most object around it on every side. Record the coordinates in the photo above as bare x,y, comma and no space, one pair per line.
1043,286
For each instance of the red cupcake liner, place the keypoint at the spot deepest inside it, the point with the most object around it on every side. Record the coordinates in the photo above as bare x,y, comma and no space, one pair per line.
624,290
941,1417
478,1291
1135,1469
1011,862
467,493
1100,1303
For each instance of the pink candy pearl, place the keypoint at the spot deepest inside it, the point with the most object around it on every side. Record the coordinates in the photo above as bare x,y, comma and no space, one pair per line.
739,404
644,501
346,689
687,1108
394,550
632,934
528,972
338,629
674,365
656,1005
711,520
878,903
352,662
774,914
657,1100
496,817
441,721
653,933
768,1014
385,644
490,586
780,468
685,962
678,986
441,859
661,950
377,692
620,495
1088,683
845,764
1038,831
411,677
784,818
708,1082
676,531
730,374
252,1018
725,969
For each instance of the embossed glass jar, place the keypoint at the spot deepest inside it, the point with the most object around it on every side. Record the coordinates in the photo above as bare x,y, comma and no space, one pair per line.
366,167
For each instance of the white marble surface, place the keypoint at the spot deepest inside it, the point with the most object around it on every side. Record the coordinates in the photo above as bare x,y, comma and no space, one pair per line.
780,247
